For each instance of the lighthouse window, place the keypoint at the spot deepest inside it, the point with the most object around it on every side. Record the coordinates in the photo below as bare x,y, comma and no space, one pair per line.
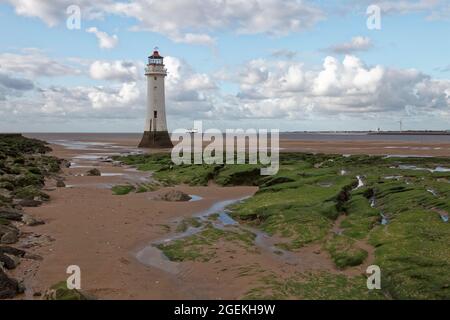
155,114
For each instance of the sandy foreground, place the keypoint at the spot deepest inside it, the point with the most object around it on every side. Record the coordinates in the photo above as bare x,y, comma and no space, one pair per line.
88,226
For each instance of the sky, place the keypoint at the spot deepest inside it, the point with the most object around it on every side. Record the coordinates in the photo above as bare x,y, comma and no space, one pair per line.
290,65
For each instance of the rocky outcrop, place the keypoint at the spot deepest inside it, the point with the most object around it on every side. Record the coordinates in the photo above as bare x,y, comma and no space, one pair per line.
94,172
9,288
174,195
31,221
24,168
60,183
60,291
11,214
8,234
28,203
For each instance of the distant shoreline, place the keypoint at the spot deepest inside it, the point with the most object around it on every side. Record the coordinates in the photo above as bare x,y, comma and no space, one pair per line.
412,132
331,132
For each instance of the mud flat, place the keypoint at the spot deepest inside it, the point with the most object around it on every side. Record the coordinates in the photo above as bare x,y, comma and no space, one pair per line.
311,231
87,225
308,232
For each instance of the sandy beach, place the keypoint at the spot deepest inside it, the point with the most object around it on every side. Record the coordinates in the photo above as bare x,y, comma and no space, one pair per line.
86,225
110,237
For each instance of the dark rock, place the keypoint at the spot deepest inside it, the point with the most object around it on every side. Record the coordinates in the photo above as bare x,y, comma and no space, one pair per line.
6,184
11,214
12,251
9,288
31,221
60,183
8,261
9,238
29,203
8,234
94,172
5,193
32,256
174,195
65,163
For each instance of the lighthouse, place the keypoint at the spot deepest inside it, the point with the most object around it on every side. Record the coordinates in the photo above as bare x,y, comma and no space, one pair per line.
155,132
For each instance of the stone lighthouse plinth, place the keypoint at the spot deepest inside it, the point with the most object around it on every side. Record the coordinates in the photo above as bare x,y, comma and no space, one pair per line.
155,133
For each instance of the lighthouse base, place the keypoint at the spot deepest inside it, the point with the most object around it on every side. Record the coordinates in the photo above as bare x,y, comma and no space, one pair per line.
156,140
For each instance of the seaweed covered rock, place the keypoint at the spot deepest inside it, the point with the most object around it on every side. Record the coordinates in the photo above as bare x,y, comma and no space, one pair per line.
239,175
94,172
9,288
11,214
31,221
28,203
8,234
60,291
28,179
60,183
174,195
31,193
8,261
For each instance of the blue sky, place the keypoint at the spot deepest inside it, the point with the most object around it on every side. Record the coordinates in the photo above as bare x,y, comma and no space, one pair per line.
251,67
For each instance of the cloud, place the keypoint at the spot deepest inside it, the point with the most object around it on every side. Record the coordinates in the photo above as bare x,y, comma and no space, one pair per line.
186,21
186,91
408,6
443,69
127,95
54,12
434,9
105,41
34,63
284,53
286,89
267,89
124,71
11,82
12,86
176,17
189,94
358,43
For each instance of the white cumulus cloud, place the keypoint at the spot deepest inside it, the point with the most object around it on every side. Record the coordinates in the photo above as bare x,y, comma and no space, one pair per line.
105,41
358,43
124,71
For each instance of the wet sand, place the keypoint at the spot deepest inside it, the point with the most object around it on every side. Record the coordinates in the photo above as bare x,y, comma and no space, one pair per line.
88,226
371,145
388,148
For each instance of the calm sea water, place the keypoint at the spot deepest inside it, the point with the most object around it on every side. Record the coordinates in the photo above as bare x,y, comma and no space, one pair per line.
299,136
363,137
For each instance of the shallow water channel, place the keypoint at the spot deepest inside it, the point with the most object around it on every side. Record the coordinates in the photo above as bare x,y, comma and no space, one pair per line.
150,255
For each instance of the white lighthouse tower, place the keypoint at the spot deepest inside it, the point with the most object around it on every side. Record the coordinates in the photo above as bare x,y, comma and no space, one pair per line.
155,133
